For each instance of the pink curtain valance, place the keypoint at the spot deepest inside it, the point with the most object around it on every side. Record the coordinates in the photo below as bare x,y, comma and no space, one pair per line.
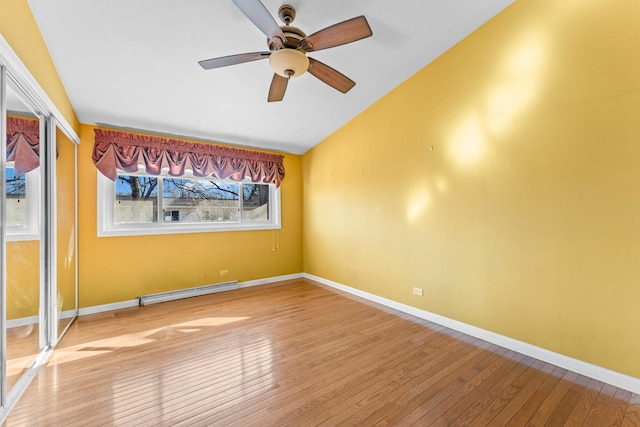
23,144
115,150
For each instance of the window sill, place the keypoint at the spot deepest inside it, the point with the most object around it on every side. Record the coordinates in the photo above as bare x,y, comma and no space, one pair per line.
136,230
22,236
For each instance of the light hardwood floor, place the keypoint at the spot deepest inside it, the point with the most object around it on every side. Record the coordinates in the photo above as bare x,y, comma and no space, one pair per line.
300,354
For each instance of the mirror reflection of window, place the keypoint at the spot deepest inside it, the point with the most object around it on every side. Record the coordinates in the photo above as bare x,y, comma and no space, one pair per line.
22,194
16,199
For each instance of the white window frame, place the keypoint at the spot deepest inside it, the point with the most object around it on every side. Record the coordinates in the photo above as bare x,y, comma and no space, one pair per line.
107,227
30,231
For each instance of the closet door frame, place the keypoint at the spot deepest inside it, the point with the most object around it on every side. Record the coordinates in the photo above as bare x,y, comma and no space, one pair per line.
12,69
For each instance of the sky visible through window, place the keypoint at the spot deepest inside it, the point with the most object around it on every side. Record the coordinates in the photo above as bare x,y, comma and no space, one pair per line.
15,184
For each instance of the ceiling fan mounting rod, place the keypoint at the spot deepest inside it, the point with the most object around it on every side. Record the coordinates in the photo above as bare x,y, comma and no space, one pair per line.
287,13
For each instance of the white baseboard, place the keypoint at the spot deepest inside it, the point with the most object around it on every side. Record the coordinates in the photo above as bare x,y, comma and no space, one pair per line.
34,320
67,314
23,321
599,373
270,280
108,307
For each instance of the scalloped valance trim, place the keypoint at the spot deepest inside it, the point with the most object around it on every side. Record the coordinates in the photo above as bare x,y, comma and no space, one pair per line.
23,144
115,150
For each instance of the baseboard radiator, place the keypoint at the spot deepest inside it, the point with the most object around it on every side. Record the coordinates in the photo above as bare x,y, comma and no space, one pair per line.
187,293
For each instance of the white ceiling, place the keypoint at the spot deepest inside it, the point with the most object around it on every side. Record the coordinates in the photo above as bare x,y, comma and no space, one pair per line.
133,64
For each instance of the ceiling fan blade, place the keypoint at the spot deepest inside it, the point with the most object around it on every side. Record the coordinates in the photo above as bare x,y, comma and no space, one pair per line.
225,61
342,33
333,78
278,88
261,18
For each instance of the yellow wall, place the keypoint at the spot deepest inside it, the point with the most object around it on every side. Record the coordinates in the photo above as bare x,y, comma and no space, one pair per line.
524,219
19,29
23,279
114,269
66,222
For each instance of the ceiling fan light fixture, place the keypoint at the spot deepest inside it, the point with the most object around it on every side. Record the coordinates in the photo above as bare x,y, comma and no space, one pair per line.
289,62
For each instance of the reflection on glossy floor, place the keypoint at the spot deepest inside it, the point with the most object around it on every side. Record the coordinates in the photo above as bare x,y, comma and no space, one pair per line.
22,350
299,354
23,347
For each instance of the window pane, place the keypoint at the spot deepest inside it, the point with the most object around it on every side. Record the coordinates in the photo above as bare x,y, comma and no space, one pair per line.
16,199
255,202
136,199
191,200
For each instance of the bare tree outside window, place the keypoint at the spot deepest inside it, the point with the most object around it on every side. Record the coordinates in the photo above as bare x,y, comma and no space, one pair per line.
200,200
137,187
139,198
16,199
136,199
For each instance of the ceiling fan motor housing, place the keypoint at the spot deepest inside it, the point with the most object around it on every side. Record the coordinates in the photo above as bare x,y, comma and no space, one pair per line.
294,36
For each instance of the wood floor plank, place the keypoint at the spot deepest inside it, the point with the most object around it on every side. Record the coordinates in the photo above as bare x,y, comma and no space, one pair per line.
536,400
581,409
426,413
425,391
617,408
358,403
507,394
565,407
295,354
413,388
537,377
632,416
475,411
600,407
553,399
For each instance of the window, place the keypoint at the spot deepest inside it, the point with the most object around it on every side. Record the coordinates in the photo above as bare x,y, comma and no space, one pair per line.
22,202
143,204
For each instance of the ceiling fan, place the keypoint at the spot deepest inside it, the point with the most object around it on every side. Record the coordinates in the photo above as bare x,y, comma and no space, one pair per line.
288,47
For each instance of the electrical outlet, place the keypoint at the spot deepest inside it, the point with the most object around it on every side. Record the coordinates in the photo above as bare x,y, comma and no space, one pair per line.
417,291
224,272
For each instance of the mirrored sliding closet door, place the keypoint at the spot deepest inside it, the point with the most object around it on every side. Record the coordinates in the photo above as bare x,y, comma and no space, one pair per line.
25,330
38,227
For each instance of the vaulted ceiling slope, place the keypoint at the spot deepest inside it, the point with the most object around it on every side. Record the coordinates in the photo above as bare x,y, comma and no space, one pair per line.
134,64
